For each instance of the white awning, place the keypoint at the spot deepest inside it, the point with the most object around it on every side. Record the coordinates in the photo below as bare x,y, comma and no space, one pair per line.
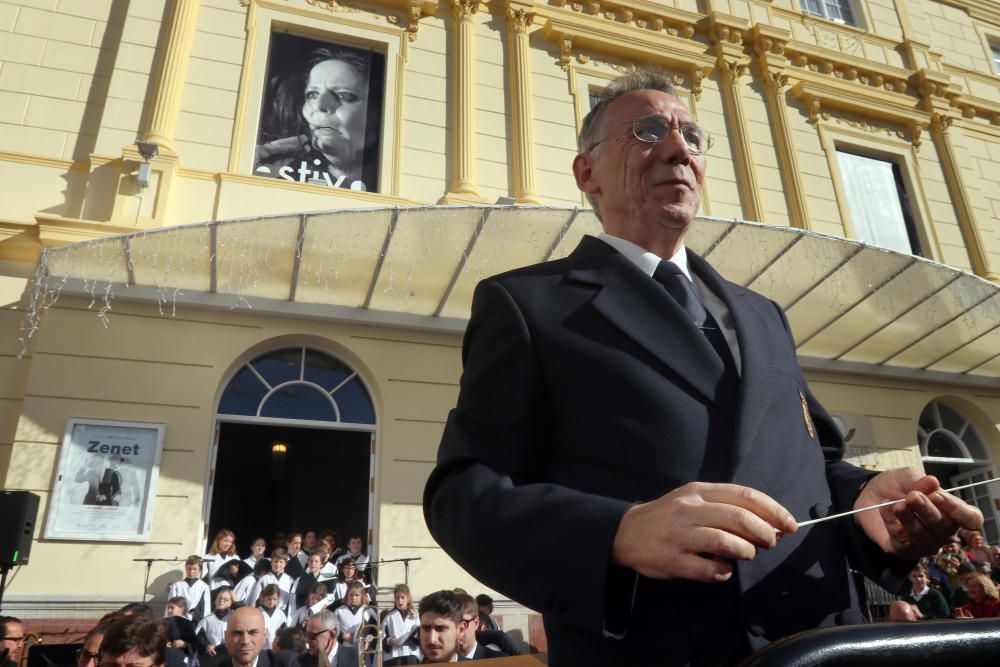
847,302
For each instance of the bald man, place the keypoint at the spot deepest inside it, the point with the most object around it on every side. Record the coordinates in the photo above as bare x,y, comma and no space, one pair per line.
245,642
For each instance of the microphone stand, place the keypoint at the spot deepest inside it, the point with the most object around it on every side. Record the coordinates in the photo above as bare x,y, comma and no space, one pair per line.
404,561
149,566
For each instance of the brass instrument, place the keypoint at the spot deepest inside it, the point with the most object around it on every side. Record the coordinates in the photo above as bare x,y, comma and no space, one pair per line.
373,632
30,639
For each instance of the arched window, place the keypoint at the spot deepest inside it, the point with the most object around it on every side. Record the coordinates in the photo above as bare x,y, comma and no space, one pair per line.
945,434
298,383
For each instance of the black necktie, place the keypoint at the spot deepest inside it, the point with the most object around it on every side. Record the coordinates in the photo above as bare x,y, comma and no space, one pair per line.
682,290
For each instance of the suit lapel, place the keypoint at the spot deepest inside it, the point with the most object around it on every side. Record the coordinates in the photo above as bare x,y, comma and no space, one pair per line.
643,311
757,355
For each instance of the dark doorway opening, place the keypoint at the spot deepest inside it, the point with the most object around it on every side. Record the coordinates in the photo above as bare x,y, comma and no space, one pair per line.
321,482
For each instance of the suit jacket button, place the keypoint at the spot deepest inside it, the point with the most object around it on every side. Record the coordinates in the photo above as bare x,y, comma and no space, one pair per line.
818,511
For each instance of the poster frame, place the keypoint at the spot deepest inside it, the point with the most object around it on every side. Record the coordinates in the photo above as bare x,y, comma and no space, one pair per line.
68,454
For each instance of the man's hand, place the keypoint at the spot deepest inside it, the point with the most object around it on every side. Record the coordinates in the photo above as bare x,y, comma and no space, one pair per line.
695,531
923,519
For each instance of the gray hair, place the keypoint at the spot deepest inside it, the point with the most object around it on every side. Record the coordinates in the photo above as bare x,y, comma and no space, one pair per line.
329,619
592,129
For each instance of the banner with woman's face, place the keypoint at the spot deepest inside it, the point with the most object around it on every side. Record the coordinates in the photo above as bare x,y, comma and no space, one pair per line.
321,114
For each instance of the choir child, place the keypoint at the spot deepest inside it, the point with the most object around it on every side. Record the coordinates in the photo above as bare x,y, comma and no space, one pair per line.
223,549
354,614
355,552
212,629
192,589
257,551
278,576
274,618
245,585
400,628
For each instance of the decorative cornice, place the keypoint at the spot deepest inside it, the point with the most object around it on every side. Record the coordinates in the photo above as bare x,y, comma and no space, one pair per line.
640,37
984,10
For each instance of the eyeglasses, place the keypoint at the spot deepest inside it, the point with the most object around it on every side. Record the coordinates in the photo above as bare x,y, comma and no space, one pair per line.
16,640
312,636
84,656
654,129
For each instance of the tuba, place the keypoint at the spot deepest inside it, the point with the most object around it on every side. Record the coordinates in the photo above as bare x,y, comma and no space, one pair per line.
30,639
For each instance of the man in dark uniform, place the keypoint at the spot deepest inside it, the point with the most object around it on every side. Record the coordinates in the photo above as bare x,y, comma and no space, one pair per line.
641,426
245,642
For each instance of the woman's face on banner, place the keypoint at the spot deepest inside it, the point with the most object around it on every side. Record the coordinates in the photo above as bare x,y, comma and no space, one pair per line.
335,107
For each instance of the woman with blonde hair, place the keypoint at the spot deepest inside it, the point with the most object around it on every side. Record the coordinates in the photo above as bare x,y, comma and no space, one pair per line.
223,550
984,600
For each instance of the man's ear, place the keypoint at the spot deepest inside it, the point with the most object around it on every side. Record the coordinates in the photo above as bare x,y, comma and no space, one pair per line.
583,171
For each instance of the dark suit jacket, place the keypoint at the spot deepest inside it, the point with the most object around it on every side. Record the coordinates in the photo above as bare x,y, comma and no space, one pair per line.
269,658
586,389
347,656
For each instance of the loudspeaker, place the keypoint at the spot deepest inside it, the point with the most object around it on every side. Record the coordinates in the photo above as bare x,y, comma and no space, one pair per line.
18,510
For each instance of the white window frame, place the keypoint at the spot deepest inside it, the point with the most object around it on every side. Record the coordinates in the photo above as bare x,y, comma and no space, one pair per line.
824,11
995,54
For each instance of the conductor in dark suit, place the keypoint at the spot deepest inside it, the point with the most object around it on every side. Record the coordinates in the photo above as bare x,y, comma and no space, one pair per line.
641,427
245,635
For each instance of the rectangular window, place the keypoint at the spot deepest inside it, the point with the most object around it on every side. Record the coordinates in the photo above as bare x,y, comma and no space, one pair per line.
321,115
995,52
841,11
878,203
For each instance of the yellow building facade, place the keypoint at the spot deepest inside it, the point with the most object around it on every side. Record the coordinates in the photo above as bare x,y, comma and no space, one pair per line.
150,253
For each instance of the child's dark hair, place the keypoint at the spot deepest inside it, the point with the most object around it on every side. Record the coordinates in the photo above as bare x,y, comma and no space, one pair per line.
269,590
179,601
193,559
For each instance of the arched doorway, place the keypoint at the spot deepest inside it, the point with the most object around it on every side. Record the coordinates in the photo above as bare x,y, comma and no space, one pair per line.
294,449
954,451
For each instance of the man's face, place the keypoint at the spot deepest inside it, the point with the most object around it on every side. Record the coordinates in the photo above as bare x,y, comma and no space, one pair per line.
439,637
13,640
648,193
354,545
245,635
952,547
318,638
468,637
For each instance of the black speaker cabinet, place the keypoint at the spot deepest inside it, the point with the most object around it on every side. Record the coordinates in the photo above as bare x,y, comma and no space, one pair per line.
18,511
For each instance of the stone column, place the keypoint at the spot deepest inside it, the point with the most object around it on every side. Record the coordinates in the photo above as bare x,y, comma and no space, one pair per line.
462,188
169,83
519,19
727,36
770,50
